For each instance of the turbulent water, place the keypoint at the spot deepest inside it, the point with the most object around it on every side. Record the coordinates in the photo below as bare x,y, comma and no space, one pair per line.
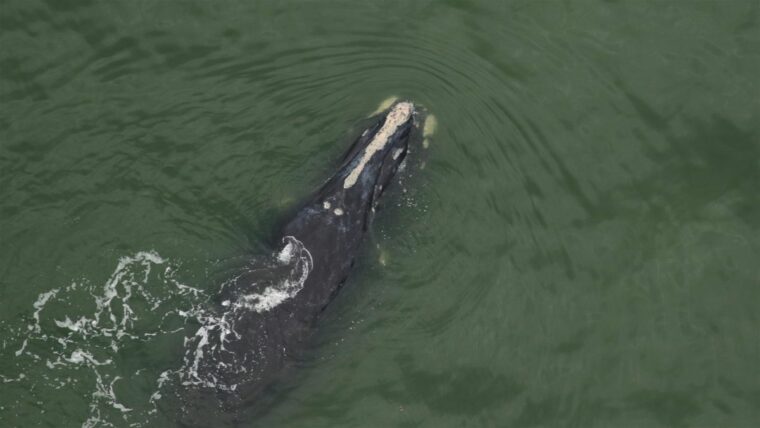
579,248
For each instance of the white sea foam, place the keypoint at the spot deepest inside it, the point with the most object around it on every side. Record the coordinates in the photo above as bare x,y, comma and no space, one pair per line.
39,304
84,326
290,267
286,254
289,286
84,337
75,326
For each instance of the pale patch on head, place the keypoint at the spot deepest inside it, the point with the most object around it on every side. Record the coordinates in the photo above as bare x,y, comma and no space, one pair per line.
338,212
400,113
326,205
425,143
431,124
385,104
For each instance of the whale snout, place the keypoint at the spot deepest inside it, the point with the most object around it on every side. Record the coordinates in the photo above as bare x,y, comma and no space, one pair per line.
370,165
389,144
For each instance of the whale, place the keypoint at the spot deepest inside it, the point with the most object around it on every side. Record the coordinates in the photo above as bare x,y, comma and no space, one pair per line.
264,317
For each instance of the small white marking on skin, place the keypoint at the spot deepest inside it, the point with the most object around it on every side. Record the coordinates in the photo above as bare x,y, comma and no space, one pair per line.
397,116
326,205
397,153
338,212
431,124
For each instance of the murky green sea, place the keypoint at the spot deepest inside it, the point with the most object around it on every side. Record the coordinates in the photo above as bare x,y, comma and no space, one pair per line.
582,248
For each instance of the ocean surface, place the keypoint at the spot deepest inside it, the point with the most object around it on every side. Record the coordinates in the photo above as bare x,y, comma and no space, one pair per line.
581,248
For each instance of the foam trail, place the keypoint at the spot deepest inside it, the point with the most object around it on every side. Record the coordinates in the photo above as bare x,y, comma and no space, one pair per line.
132,307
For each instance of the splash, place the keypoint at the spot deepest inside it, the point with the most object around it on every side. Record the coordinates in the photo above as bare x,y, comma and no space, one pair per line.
278,279
76,333
291,285
84,334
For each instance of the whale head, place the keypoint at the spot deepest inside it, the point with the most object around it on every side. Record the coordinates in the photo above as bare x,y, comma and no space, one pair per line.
380,149
333,222
372,162
348,199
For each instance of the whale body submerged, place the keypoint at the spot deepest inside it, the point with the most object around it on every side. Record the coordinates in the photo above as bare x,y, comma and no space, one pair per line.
267,314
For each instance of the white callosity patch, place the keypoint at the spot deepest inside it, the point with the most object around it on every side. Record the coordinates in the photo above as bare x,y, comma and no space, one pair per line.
431,124
398,115
338,212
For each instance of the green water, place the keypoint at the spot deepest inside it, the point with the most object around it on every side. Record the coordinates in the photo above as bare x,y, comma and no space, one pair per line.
580,250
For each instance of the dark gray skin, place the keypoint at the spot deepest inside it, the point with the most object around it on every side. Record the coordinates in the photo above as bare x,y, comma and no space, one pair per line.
265,343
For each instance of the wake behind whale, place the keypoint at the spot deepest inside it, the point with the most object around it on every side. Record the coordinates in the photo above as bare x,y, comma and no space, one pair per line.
266,314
